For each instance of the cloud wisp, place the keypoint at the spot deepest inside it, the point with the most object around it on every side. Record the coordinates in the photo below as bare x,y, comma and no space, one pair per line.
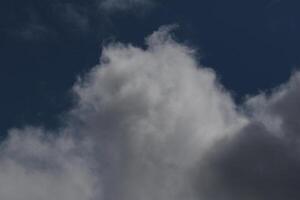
75,19
153,124
122,5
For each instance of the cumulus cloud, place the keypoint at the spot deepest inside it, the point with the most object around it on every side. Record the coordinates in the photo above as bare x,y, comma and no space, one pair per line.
153,124
153,113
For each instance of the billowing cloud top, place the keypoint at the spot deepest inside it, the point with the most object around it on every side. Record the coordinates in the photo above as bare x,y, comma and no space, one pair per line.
152,124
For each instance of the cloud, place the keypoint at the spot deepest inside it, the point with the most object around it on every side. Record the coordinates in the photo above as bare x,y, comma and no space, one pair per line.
33,32
144,118
262,161
73,16
153,113
88,19
153,124
279,112
36,165
122,5
32,28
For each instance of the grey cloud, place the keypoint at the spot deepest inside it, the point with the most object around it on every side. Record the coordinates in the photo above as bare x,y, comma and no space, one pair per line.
281,109
153,113
262,161
153,124
144,119
34,165
255,165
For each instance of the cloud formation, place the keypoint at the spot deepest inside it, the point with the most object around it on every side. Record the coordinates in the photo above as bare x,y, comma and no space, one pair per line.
153,113
153,124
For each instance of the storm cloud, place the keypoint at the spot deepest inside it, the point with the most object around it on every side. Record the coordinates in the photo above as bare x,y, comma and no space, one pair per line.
151,123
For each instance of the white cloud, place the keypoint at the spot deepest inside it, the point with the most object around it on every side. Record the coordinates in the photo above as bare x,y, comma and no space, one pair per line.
153,113
145,119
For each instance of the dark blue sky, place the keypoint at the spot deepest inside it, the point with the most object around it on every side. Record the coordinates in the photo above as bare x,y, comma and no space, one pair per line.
45,44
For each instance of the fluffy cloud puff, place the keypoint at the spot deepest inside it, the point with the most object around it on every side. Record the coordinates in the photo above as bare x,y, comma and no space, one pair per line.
153,113
153,124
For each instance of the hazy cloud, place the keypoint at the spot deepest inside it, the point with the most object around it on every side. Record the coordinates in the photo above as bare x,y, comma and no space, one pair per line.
73,19
32,28
73,16
121,5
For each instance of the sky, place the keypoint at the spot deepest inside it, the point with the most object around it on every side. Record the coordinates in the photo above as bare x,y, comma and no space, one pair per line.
149,99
